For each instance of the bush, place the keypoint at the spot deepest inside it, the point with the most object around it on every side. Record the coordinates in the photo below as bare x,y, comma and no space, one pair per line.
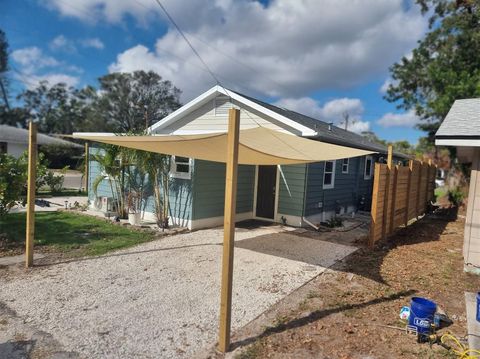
334,222
456,196
55,182
13,174
59,156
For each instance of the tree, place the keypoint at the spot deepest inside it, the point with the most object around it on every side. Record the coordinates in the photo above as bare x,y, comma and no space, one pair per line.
130,102
444,67
13,175
372,137
4,69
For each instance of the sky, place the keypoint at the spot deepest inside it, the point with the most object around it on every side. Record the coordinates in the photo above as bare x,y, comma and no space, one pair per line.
322,58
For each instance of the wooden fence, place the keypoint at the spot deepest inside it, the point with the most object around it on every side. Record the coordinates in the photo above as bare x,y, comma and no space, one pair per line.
400,194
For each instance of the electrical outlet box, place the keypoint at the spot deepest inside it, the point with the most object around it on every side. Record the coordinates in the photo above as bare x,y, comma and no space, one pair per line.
320,205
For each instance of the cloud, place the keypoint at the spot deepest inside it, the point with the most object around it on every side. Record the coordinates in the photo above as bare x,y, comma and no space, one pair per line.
32,58
407,119
35,66
332,111
61,43
94,42
284,49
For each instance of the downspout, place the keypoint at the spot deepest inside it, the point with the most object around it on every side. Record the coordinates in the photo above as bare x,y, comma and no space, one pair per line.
304,219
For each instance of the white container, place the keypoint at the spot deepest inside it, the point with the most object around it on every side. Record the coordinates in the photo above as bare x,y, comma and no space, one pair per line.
134,219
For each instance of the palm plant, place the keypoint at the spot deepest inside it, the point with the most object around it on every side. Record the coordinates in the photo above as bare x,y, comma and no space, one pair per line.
157,167
111,160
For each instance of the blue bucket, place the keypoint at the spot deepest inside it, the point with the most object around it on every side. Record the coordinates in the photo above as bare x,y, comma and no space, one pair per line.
478,307
422,312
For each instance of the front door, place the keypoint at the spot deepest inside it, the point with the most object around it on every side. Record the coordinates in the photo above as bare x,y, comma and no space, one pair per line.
266,187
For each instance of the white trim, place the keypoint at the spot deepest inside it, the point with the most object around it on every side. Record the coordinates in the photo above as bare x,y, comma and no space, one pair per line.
466,143
217,221
331,185
369,176
255,193
348,165
182,175
294,221
211,94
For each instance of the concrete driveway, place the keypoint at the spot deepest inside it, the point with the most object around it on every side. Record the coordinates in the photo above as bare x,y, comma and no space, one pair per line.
161,299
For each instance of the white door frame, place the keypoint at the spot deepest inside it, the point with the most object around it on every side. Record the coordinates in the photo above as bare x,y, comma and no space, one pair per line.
255,192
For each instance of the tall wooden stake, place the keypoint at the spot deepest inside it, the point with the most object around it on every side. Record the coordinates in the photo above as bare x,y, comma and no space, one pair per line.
32,166
387,190
86,174
229,229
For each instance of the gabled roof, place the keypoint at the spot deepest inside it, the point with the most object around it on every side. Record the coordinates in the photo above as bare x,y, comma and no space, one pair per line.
462,121
12,134
305,125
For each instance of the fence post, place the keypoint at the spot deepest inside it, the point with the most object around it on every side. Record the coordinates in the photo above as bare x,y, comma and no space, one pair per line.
419,183
387,190
409,185
394,198
374,209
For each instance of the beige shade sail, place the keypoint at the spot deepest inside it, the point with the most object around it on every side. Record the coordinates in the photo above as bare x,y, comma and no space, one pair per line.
258,146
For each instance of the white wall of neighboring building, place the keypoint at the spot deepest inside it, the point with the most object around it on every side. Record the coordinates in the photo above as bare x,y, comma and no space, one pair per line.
16,149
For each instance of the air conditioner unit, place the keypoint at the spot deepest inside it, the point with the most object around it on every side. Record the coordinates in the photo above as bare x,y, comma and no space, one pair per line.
108,204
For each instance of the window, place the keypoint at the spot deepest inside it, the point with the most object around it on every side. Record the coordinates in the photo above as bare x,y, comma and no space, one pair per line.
345,163
368,168
3,147
329,174
181,167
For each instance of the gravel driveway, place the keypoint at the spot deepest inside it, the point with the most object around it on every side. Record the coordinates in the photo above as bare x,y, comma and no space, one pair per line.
161,299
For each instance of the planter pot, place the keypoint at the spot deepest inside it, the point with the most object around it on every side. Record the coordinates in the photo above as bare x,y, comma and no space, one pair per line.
134,219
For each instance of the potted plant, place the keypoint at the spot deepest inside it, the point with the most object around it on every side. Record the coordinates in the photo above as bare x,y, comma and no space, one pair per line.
134,202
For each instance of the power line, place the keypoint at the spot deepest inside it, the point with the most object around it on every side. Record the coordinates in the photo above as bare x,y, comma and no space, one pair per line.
188,42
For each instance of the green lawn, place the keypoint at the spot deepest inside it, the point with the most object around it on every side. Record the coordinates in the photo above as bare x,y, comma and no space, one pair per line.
71,233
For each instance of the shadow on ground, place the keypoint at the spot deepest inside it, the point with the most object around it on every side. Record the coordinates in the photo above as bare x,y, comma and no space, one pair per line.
17,349
317,315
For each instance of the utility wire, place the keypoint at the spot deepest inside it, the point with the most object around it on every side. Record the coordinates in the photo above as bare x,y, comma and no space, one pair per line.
188,42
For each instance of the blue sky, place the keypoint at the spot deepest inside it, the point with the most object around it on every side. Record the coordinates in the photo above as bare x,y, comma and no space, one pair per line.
322,58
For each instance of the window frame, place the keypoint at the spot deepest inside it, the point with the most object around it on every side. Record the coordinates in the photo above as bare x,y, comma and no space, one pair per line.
369,175
332,184
174,173
345,164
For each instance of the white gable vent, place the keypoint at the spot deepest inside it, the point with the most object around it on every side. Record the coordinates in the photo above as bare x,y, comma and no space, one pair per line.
221,105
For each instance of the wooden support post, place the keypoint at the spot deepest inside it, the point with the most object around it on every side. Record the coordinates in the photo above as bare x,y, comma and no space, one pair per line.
409,187
86,173
32,166
229,229
387,190
374,209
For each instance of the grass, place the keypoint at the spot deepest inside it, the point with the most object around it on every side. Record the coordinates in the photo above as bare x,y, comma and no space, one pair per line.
62,193
72,233
441,192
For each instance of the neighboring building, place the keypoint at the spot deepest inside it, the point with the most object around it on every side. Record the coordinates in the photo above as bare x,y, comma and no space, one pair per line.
461,129
14,140
292,194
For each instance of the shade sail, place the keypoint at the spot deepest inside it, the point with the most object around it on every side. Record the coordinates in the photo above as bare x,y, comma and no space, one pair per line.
258,146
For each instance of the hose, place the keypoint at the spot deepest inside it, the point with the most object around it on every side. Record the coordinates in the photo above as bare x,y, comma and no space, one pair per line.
460,350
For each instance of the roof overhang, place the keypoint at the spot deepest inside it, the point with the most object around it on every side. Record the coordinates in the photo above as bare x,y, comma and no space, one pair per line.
237,99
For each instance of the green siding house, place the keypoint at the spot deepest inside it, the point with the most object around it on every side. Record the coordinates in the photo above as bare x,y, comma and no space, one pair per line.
295,195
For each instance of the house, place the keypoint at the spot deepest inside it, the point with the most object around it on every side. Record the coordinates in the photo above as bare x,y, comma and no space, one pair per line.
291,194
14,140
461,129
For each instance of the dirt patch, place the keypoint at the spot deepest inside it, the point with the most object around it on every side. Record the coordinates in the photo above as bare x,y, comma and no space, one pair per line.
341,313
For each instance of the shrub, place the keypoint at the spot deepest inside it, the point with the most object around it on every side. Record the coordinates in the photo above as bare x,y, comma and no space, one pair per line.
456,196
53,181
334,222
13,174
